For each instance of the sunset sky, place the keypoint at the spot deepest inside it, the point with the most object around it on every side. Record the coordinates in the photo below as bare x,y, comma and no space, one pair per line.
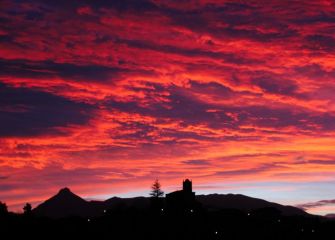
105,96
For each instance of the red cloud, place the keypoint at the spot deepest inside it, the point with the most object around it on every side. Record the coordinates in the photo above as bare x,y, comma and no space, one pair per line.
119,93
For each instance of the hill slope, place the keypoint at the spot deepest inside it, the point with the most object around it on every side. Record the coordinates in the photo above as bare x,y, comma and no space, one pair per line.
65,204
245,203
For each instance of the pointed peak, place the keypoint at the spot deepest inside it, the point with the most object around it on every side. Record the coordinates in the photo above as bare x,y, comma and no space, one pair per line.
66,194
65,190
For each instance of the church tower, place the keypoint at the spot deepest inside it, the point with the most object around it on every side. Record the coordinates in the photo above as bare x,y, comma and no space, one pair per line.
187,186
182,200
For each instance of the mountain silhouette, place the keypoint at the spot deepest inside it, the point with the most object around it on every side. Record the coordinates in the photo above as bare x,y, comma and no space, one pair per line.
238,201
330,215
66,204
136,202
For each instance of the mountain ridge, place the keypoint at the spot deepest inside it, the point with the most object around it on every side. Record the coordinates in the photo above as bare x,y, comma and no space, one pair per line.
242,202
66,204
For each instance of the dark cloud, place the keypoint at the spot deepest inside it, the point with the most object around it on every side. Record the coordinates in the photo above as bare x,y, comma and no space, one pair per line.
174,134
276,86
285,117
235,22
138,131
5,38
314,71
257,35
249,156
120,5
124,5
307,206
325,120
213,89
190,52
34,15
28,112
321,162
182,105
320,42
49,69
250,171
307,19
16,154
197,162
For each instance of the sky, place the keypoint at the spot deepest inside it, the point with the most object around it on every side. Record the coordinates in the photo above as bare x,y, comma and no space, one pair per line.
106,96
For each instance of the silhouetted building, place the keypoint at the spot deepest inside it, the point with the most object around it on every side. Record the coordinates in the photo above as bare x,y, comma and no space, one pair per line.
182,199
187,186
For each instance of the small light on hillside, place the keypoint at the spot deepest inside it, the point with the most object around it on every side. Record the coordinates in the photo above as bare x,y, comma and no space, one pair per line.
105,211
162,209
88,220
191,210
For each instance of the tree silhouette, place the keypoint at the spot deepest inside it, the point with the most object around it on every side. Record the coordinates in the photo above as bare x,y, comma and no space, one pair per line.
156,191
3,209
27,209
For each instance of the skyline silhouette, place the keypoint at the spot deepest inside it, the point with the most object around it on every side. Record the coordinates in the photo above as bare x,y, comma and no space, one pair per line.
180,215
66,204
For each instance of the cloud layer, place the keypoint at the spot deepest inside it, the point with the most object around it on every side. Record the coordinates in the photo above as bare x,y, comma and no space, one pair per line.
122,92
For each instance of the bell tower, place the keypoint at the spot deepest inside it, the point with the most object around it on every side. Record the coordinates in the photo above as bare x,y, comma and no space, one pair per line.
187,185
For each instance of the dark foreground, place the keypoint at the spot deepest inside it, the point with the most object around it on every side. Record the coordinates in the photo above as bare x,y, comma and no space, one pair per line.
159,224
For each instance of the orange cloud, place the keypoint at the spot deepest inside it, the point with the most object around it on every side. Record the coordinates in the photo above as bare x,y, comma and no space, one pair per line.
119,94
